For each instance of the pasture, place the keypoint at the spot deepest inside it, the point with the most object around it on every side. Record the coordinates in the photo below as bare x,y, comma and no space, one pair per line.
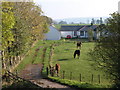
63,54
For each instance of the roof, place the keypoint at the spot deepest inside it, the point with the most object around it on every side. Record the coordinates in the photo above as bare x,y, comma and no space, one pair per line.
76,28
94,27
71,28
85,28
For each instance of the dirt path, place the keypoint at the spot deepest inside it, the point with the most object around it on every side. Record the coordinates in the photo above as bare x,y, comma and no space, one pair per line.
32,72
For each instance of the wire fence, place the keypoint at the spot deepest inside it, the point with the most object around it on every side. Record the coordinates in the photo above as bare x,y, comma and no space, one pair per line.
89,78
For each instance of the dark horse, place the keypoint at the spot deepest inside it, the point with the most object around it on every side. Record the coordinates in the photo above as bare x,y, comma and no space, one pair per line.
77,52
79,44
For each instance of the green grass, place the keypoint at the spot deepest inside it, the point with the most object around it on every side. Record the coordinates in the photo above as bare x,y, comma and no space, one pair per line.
63,55
76,84
31,55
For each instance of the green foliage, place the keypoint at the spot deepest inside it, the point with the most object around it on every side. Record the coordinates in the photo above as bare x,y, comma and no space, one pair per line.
57,26
106,53
22,25
8,22
90,35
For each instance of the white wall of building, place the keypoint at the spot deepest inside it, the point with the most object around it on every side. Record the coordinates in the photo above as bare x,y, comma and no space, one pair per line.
65,33
53,34
78,32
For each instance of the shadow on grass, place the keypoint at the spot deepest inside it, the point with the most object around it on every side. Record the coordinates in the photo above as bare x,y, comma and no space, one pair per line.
62,59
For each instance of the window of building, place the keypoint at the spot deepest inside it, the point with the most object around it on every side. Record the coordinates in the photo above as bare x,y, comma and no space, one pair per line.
81,33
75,33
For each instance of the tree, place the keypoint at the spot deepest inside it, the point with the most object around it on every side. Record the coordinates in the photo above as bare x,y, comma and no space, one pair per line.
62,22
55,22
90,34
101,21
97,21
48,19
106,53
93,21
23,24
105,21
8,22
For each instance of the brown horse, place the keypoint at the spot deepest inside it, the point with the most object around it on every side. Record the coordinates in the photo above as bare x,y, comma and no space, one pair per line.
77,52
79,44
57,69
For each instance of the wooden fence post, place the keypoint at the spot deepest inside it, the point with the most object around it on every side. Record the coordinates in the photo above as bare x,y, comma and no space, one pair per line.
16,72
80,77
92,79
47,70
99,78
63,74
70,75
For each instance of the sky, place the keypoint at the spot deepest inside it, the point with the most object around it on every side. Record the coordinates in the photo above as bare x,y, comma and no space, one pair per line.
59,9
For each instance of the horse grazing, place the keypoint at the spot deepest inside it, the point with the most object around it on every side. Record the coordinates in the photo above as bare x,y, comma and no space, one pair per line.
52,70
79,44
77,52
57,69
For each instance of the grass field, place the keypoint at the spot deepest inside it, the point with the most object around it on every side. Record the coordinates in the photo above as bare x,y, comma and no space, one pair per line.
31,57
63,54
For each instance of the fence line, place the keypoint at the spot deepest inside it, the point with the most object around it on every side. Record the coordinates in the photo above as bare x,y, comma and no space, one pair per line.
92,79
70,75
92,76
80,78
99,78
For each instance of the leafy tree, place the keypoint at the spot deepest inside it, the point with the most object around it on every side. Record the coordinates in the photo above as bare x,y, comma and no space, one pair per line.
48,19
93,21
23,24
62,22
55,22
90,35
97,21
101,21
8,22
106,53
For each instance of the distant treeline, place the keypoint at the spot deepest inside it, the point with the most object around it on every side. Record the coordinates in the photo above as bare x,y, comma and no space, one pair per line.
84,20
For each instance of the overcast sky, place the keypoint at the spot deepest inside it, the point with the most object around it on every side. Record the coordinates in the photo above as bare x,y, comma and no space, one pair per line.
58,9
